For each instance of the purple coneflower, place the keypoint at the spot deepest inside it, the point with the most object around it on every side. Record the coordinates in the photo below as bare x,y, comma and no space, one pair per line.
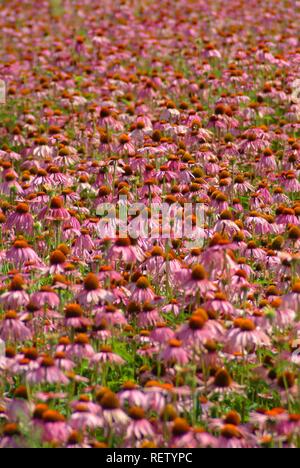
292,299
161,333
57,262
10,185
20,253
223,384
142,291
74,317
111,315
139,427
231,437
220,305
83,245
171,308
182,435
13,329
81,348
132,394
198,282
196,332
92,293
148,316
175,353
56,212
12,437
16,297
245,337
106,354
111,410
125,147
47,372
19,406
55,430
21,220
62,362
122,250
83,419
45,297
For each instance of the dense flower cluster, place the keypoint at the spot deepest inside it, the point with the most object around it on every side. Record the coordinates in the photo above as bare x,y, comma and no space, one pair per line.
120,342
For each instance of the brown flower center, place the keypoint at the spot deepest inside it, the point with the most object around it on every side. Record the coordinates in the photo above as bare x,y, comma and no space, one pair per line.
157,252
143,283
51,416
22,208
220,297
245,324
73,311
17,283
91,282
230,431
21,244
123,242
180,427
110,401
11,430
21,393
10,176
106,349
82,339
296,288
175,343
123,139
57,257
232,418
82,408
199,273
31,354
40,410
47,362
136,413
104,191
129,386
56,203
210,346
222,379
286,380
169,413
105,112
11,315
201,313
294,233
196,322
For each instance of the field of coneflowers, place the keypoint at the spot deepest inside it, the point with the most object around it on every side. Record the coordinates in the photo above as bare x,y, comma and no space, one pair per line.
160,339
